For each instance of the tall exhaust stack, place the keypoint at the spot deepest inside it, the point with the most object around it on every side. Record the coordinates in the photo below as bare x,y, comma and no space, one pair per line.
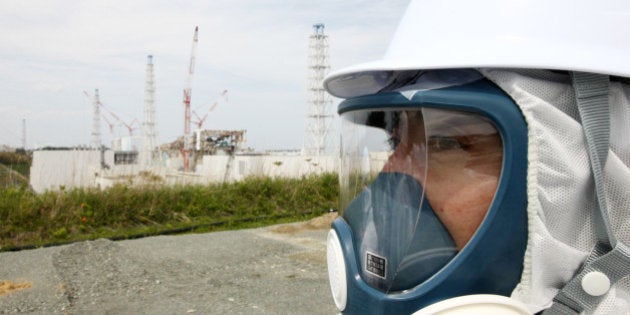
149,138
318,125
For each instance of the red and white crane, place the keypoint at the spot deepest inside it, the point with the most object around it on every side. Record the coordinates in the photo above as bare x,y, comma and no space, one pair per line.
199,120
130,126
187,92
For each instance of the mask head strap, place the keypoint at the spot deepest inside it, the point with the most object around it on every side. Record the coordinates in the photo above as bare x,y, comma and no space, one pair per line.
610,260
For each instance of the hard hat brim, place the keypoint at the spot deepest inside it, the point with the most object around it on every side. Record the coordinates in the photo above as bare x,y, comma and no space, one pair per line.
503,35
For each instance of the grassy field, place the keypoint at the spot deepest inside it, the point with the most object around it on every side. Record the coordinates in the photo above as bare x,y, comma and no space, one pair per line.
14,169
29,220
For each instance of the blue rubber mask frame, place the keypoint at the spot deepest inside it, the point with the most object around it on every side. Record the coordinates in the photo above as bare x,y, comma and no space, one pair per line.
491,262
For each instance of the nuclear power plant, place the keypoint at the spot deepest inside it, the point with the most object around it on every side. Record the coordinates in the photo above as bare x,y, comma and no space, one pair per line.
199,155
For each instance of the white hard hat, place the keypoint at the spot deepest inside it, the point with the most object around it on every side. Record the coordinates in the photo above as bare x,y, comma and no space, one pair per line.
589,36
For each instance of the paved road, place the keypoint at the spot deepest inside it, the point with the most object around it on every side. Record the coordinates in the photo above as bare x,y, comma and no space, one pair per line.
273,270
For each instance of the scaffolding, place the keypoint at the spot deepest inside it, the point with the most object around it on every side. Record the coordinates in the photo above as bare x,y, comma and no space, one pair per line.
318,125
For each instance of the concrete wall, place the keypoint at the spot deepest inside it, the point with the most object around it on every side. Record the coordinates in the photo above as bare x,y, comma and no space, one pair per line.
226,168
52,170
67,169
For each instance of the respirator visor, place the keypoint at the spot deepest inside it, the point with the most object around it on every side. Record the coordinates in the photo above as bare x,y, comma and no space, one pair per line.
416,183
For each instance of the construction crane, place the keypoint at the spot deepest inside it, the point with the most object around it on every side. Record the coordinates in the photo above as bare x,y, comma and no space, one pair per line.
187,91
109,124
199,120
130,126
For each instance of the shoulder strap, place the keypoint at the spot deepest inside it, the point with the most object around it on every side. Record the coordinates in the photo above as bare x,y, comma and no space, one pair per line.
610,260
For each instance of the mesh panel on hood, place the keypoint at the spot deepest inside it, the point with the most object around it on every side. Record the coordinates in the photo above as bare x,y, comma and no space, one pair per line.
561,197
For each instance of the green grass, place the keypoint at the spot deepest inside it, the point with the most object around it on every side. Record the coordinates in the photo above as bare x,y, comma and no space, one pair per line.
14,169
30,220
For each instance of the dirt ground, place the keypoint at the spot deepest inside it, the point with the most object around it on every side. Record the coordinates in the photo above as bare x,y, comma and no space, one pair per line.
7,286
273,270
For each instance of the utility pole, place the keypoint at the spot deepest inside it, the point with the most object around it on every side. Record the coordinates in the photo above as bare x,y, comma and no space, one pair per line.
24,134
318,117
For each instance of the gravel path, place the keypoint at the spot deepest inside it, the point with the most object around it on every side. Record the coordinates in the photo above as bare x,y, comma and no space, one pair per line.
273,270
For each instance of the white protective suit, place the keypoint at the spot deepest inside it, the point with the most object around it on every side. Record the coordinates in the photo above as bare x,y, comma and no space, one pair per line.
505,41
560,186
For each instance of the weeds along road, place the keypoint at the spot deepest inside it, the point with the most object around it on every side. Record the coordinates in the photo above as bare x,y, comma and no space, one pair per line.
273,270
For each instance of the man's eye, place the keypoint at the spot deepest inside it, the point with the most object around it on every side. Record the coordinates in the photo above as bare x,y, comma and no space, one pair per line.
441,143
393,141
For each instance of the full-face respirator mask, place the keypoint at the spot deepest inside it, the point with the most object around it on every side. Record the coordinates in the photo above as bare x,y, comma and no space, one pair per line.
433,201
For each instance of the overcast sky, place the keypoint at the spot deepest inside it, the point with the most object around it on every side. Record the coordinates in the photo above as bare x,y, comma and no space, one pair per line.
53,51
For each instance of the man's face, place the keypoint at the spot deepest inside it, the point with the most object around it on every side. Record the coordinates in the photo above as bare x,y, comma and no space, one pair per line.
457,158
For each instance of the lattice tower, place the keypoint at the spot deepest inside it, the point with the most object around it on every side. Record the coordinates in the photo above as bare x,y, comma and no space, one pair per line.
96,122
149,139
318,125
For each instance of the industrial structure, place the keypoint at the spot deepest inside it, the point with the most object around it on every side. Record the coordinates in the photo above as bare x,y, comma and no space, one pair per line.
149,130
187,92
200,117
96,122
318,125
198,156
